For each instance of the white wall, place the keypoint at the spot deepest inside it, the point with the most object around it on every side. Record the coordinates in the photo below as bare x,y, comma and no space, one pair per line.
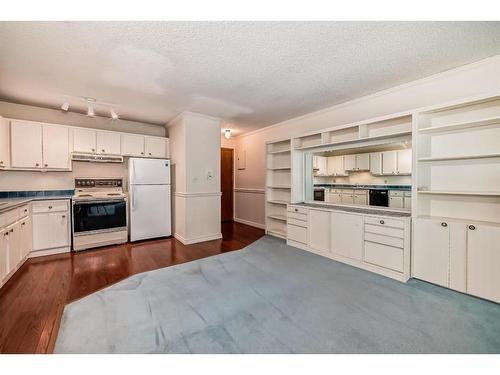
482,77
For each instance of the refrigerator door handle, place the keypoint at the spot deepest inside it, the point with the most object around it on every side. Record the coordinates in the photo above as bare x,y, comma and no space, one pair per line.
133,196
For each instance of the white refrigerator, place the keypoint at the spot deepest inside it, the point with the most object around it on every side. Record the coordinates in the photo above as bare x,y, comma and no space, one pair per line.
149,192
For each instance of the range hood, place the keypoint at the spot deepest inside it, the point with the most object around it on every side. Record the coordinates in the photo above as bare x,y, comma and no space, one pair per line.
76,156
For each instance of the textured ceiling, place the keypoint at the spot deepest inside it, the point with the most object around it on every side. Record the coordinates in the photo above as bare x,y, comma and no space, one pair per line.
252,74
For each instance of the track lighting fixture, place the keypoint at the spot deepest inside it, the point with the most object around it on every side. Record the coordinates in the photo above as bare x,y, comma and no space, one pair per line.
90,110
113,114
227,133
65,106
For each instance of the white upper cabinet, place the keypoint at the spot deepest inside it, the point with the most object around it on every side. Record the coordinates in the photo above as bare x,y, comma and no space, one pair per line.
156,147
350,162
84,140
376,163
132,145
389,162
320,165
404,161
55,146
363,162
4,143
26,144
335,166
108,143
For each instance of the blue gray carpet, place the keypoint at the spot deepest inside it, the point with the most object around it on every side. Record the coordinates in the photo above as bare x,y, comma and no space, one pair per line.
272,298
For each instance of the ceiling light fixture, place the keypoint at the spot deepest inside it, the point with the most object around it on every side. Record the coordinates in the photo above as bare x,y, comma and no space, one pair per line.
227,133
113,114
65,106
90,110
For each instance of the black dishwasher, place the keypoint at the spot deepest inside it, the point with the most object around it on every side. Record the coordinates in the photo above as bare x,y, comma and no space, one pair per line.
379,197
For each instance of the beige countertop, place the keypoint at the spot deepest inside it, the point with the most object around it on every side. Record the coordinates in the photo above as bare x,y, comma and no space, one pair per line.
10,203
372,210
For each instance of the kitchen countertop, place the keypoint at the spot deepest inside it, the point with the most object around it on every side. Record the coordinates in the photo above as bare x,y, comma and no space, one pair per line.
357,209
364,187
10,203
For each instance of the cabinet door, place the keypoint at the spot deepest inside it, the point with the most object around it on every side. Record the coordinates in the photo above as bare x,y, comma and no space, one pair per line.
319,231
155,147
60,235
395,202
404,161
335,198
13,246
360,199
347,198
483,261
407,202
363,162
4,143
350,162
26,144
84,140
108,143
339,166
376,163
431,250
55,145
322,165
26,237
347,235
389,162
50,230
3,254
315,162
330,165
132,145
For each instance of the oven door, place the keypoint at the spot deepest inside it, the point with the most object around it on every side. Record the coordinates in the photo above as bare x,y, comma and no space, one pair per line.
319,195
99,216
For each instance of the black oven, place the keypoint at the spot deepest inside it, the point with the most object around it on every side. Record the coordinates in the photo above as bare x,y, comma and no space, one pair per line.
319,195
99,215
379,197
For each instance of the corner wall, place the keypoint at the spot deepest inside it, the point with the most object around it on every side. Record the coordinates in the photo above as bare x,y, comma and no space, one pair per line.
482,77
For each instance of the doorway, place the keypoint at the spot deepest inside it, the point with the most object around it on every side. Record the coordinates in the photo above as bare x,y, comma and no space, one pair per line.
226,183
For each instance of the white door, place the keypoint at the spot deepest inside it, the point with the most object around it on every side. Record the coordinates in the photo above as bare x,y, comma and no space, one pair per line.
350,162
483,261
26,237
404,161
319,231
55,146
3,254
84,140
389,161
156,147
431,250
4,143
376,163
363,162
149,171
50,230
347,235
108,143
395,202
150,211
132,145
59,222
26,144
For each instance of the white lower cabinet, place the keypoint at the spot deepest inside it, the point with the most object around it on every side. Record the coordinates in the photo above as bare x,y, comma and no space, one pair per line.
346,235
3,255
51,227
319,231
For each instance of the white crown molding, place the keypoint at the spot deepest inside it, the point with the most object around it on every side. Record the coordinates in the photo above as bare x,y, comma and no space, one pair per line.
194,114
189,195
250,223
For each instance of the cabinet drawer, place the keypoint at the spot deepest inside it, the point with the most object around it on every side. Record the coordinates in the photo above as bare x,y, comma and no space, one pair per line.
297,216
296,209
384,221
296,233
386,231
300,223
384,240
384,256
24,210
9,217
396,193
50,206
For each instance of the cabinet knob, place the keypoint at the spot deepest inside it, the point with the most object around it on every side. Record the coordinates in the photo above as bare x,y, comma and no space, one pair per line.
23,223
36,164
6,234
12,230
1,161
382,222
150,153
63,216
45,165
93,149
25,210
444,225
142,153
472,227
50,207
103,150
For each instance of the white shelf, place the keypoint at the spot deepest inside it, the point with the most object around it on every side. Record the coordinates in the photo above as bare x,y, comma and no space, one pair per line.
280,187
277,232
280,169
460,157
279,151
277,217
278,202
461,125
471,193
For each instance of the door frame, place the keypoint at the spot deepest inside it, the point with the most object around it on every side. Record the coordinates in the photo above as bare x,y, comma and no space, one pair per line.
233,151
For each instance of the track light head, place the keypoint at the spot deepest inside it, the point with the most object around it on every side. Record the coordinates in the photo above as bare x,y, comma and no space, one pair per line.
113,114
65,106
90,110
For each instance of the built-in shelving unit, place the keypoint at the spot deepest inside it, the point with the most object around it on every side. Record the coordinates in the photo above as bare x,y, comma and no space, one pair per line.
278,186
458,161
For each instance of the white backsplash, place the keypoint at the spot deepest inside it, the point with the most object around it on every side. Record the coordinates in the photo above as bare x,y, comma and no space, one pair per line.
364,178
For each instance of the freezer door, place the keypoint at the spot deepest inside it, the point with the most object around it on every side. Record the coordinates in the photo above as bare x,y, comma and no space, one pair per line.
149,211
149,171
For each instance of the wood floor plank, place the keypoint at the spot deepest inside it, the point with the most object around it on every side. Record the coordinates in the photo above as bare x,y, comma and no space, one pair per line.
33,300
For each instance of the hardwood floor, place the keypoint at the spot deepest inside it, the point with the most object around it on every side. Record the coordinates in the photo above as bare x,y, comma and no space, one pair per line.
33,300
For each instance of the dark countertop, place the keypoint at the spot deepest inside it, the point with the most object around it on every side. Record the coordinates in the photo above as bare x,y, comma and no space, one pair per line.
358,209
10,203
365,187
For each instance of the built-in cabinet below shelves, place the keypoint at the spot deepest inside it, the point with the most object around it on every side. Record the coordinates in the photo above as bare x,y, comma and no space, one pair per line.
30,145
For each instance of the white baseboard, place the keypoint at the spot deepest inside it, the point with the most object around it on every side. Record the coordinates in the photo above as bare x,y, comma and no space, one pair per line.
41,253
189,241
251,223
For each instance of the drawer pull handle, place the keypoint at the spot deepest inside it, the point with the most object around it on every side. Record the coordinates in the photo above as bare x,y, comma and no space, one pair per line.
472,227
23,223
50,207
93,149
6,234
12,230
296,210
63,216
36,164
25,210
382,222
444,225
